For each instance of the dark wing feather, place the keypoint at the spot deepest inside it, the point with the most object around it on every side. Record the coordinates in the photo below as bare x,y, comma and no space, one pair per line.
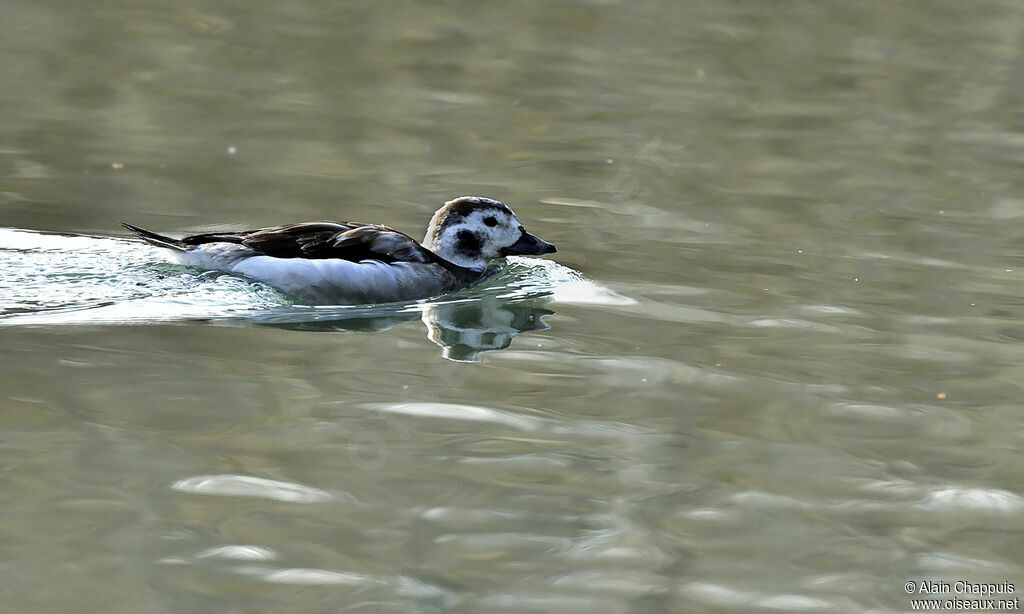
304,240
375,243
315,240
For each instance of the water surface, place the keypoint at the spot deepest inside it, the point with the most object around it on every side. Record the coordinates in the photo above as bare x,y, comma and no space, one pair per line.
775,364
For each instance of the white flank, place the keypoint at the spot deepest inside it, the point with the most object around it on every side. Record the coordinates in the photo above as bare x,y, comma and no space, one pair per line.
341,282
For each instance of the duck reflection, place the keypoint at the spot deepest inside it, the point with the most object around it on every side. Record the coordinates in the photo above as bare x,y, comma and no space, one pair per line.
462,329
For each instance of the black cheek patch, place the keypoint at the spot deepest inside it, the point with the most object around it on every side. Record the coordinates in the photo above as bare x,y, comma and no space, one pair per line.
468,242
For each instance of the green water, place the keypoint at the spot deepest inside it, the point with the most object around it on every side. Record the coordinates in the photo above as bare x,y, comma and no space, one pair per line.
774,365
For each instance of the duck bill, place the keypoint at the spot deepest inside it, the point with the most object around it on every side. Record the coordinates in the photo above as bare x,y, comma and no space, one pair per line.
528,245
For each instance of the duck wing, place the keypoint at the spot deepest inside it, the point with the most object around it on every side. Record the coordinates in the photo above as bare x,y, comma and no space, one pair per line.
316,240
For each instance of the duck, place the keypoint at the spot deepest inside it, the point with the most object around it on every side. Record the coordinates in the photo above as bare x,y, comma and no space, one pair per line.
352,263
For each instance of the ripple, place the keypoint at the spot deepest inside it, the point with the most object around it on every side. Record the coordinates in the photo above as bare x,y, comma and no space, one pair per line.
452,411
543,602
250,561
310,576
238,553
953,564
908,258
866,410
630,584
504,542
228,485
633,557
584,292
790,603
459,517
628,370
711,515
974,499
15,239
831,310
715,594
729,596
792,323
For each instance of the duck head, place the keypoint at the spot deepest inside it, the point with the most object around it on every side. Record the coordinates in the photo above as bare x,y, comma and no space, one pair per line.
471,230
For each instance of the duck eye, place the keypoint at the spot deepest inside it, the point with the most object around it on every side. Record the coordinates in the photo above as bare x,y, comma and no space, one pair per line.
490,221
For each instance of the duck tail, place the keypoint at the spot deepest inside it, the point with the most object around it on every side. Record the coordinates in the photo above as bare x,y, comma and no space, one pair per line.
156,239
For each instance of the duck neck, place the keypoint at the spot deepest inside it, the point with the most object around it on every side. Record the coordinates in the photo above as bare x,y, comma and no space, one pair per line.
449,251
474,264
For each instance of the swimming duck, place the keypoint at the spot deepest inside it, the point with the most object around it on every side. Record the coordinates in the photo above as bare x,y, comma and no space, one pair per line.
343,263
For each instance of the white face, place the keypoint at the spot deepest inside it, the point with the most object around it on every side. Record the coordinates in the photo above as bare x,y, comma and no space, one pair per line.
471,230
482,234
